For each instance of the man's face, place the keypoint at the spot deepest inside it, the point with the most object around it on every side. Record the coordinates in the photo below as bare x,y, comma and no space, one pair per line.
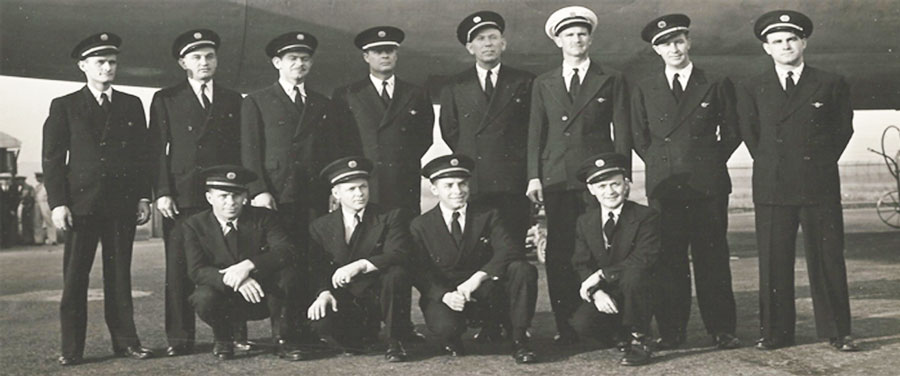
487,45
200,64
293,66
381,59
353,194
452,192
99,69
226,204
574,41
612,191
785,47
674,51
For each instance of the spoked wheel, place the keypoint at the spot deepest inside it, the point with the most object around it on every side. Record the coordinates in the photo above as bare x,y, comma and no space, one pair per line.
888,208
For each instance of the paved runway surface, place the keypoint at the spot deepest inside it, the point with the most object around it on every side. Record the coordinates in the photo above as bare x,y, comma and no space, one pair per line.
32,277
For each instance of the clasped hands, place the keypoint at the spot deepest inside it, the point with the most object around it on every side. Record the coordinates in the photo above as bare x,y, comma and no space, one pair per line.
237,277
457,299
602,301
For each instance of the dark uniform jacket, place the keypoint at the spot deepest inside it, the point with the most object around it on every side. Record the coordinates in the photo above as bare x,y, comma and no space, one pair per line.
382,238
796,142
261,239
441,266
108,167
635,245
563,133
686,144
394,138
285,148
495,132
196,140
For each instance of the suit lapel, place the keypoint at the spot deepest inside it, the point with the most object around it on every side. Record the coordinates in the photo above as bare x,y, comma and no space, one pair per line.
473,97
806,87
696,90
91,110
248,236
442,233
216,239
190,105
335,226
557,89
402,96
594,79
660,95
367,238
503,93
625,231
369,96
474,223
311,111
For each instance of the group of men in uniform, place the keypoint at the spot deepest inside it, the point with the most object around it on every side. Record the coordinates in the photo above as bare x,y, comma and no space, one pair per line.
244,187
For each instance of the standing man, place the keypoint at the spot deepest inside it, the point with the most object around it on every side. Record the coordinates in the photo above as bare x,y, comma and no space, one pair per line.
43,221
393,118
9,201
95,155
193,125
484,114
360,262
796,121
616,246
577,110
25,211
685,128
468,268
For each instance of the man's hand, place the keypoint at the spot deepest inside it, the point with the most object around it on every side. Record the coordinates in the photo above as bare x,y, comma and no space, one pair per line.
235,274
454,300
589,283
62,217
470,285
344,275
535,191
143,212
166,206
604,302
251,291
319,308
264,200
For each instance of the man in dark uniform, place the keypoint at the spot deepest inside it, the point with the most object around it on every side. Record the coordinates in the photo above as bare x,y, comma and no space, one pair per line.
25,210
193,125
796,121
241,261
393,118
95,157
484,114
360,260
573,109
616,246
467,265
9,201
685,128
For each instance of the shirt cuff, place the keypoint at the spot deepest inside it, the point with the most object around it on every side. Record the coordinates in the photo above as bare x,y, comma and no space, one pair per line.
368,266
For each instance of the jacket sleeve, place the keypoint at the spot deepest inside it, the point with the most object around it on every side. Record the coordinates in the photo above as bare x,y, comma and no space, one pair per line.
640,126
582,259
320,262
843,118
159,139
729,130
505,249
55,147
425,130
200,266
253,144
145,153
748,118
646,248
278,250
621,123
426,276
537,123
396,249
449,117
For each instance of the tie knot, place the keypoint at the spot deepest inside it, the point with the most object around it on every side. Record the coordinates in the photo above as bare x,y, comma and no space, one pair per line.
677,75
357,218
203,87
575,70
230,225
455,215
612,216
790,74
489,73
384,83
104,97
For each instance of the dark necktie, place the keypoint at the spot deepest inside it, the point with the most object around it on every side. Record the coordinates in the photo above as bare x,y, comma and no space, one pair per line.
204,98
789,83
456,229
385,97
574,85
231,239
609,229
677,89
104,103
488,85
298,99
356,221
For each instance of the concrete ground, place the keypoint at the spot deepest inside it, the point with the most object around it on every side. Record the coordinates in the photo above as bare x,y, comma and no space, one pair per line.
31,278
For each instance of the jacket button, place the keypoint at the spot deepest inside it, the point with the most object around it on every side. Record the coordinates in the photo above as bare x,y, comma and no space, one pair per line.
665,158
806,158
568,134
668,139
190,128
565,118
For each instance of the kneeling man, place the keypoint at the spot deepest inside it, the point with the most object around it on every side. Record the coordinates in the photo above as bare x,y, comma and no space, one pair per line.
468,266
359,257
238,256
616,244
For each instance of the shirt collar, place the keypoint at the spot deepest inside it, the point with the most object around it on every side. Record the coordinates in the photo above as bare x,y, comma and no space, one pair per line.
289,88
617,213
96,93
378,82
448,213
567,70
782,72
197,84
684,74
349,214
483,72
224,224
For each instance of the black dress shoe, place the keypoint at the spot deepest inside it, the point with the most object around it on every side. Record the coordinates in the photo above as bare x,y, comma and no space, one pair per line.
561,339
488,334
395,353
242,346
668,343
523,354
69,360
726,341
637,354
179,350
291,353
223,350
844,344
135,352
413,336
455,348
766,344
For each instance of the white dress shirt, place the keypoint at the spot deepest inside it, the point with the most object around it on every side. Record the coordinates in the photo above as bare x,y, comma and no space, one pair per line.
782,74
617,212
379,85
196,85
684,74
224,224
97,94
482,73
448,217
289,90
568,71
350,221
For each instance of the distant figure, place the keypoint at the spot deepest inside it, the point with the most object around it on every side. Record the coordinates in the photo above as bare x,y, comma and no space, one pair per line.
43,219
9,201
25,211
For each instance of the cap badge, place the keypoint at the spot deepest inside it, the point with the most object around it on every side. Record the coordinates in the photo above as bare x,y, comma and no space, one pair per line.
476,19
784,18
599,163
351,164
231,175
454,162
704,104
817,104
661,24
300,37
104,37
197,35
381,34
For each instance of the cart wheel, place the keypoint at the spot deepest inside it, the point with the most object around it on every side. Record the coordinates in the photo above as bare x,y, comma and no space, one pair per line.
888,208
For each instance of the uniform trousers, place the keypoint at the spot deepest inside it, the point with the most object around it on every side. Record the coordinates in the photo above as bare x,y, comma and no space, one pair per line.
562,209
632,295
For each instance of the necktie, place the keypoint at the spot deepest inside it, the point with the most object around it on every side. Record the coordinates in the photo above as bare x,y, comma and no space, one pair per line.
488,85
677,89
231,239
104,102
356,221
298,99
574,84
385,97
456,229
609,229
789,83
204,98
